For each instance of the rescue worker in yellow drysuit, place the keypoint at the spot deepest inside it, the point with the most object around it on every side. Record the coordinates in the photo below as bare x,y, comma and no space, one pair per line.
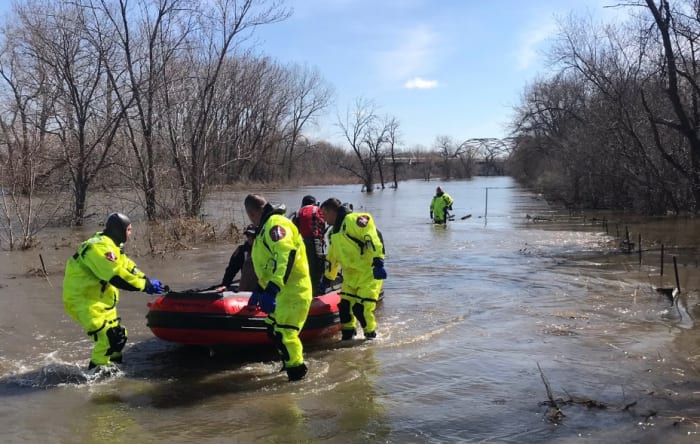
357,246
93,277
284,284
439,205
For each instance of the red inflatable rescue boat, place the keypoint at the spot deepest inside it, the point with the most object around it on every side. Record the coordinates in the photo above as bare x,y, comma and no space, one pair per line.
209,318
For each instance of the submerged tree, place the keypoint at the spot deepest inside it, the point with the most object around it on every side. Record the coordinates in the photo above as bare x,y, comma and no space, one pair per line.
193,105
25,166
369,137
354,127
85,115
148,36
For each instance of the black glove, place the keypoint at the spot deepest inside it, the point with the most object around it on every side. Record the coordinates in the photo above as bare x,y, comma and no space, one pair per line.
431,214
378,270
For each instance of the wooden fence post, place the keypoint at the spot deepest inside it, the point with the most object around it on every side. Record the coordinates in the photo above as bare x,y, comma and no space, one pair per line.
675,269
662,259
640,248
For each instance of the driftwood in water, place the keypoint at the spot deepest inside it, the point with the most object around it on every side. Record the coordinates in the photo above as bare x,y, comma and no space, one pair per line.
555,415
538,218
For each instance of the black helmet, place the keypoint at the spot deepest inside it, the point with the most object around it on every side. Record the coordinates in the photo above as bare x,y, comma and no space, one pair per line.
308,200
115,227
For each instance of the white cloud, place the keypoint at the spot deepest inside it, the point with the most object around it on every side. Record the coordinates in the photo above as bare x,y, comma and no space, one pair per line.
527,53
420,83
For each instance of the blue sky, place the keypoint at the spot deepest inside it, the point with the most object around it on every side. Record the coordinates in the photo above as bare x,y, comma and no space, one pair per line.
441,67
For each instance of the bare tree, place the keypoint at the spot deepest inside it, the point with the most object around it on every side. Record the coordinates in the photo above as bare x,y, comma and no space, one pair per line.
425,159
355,127
448,151
192,108
86,115
24,165
392,134
250,103
310,95
679,32
148,37
603,131
376,137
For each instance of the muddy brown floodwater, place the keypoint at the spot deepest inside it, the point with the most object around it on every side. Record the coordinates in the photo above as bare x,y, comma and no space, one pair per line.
476,317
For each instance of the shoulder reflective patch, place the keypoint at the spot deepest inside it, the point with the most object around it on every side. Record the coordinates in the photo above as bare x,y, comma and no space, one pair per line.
277,233
111,256
362,221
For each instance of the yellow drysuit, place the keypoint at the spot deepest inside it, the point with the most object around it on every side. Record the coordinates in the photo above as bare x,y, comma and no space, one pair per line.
90,293
354,245
439,206
279,257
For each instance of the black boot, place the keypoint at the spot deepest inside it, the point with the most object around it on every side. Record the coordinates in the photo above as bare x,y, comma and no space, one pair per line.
91,365
371,334
297,373
348,334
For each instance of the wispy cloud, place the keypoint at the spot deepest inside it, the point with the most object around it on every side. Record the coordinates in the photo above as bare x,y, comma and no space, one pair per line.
420,83
414,53
527,53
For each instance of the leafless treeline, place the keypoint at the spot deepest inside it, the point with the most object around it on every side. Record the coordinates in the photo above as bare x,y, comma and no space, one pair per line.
616,125
375,140
159,100
159,94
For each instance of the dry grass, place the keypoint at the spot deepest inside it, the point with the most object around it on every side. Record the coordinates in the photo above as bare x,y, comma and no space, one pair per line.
185,233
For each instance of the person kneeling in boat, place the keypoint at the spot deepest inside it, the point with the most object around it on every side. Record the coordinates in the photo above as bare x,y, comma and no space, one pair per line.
439,206
93,277
242,261
284,285
357,246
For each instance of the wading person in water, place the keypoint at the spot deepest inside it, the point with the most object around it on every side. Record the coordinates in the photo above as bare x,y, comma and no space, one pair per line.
284,285
91,284
355,245
441,203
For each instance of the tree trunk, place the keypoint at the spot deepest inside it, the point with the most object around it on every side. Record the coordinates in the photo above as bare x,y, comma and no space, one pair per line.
80,194
381,174
662,17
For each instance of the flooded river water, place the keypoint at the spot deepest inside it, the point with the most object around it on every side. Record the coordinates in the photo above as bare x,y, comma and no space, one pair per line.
472,313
